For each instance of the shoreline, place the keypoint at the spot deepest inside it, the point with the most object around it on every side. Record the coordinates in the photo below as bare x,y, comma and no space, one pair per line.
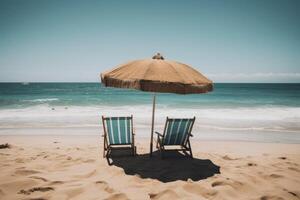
203,135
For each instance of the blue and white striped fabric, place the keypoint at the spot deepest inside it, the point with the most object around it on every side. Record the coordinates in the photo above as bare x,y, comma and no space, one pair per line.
177,131
119,130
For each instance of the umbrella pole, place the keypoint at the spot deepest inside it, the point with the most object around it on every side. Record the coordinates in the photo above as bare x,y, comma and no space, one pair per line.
152,127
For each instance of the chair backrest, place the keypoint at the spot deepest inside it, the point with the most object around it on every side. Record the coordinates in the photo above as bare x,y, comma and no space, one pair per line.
177,131
118,130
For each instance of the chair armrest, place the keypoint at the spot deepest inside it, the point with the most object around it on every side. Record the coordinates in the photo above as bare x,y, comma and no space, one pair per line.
159,134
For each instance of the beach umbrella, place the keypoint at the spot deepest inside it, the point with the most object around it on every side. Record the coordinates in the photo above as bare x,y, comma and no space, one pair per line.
157,74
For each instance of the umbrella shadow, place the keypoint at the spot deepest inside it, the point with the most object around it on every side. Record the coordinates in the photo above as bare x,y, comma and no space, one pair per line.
175,166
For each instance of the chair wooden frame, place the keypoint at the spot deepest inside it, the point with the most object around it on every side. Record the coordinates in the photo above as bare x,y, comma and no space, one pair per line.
185,146
107,147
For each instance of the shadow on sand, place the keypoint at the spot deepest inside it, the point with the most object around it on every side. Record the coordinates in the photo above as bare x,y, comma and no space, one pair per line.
175,166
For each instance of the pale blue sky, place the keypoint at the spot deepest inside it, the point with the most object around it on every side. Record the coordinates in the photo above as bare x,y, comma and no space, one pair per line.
229,41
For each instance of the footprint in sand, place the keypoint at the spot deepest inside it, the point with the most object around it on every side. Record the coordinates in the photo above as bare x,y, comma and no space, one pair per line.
165,194
229,158
295,194
57,182
251,164
282,158
218,183
294,169
270,197
26,172
41,154
5,165
35,189
276,176
33,158
19,160
104,185
234,184
119,196
292,163
39,178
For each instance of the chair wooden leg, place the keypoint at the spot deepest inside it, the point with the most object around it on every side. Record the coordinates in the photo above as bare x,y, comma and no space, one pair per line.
107,155
160,147
108,151
190,149
104,148
133,150
162,152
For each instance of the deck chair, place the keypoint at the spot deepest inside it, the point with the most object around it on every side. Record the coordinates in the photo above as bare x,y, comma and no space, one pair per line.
118,133
177,132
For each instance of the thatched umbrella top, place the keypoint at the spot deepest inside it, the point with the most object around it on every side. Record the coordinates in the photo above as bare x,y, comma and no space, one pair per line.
157,75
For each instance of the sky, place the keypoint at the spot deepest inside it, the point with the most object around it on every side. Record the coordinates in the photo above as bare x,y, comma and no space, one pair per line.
74,41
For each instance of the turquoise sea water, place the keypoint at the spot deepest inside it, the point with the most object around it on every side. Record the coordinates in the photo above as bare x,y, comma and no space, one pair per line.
250,108
21,95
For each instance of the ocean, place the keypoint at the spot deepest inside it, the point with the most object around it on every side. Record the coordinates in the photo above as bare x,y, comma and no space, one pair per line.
231,111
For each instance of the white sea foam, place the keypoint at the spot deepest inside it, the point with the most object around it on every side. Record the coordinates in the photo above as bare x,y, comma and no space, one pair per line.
235,119
41,100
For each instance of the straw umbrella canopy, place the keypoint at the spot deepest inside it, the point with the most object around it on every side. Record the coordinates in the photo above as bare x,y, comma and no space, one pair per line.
157,75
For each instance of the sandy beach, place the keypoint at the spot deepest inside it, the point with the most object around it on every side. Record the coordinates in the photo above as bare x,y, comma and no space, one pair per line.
72,167
218,80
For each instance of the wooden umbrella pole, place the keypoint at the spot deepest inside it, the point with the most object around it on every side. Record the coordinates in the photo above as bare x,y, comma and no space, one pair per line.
152,127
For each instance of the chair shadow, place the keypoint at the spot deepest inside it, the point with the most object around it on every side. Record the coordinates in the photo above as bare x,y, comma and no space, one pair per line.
174,166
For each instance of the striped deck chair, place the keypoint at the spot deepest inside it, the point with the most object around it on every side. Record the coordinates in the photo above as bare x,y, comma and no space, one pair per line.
118,132
177,132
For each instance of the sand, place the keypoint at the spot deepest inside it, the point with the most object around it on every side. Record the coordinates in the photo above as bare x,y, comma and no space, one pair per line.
72,167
